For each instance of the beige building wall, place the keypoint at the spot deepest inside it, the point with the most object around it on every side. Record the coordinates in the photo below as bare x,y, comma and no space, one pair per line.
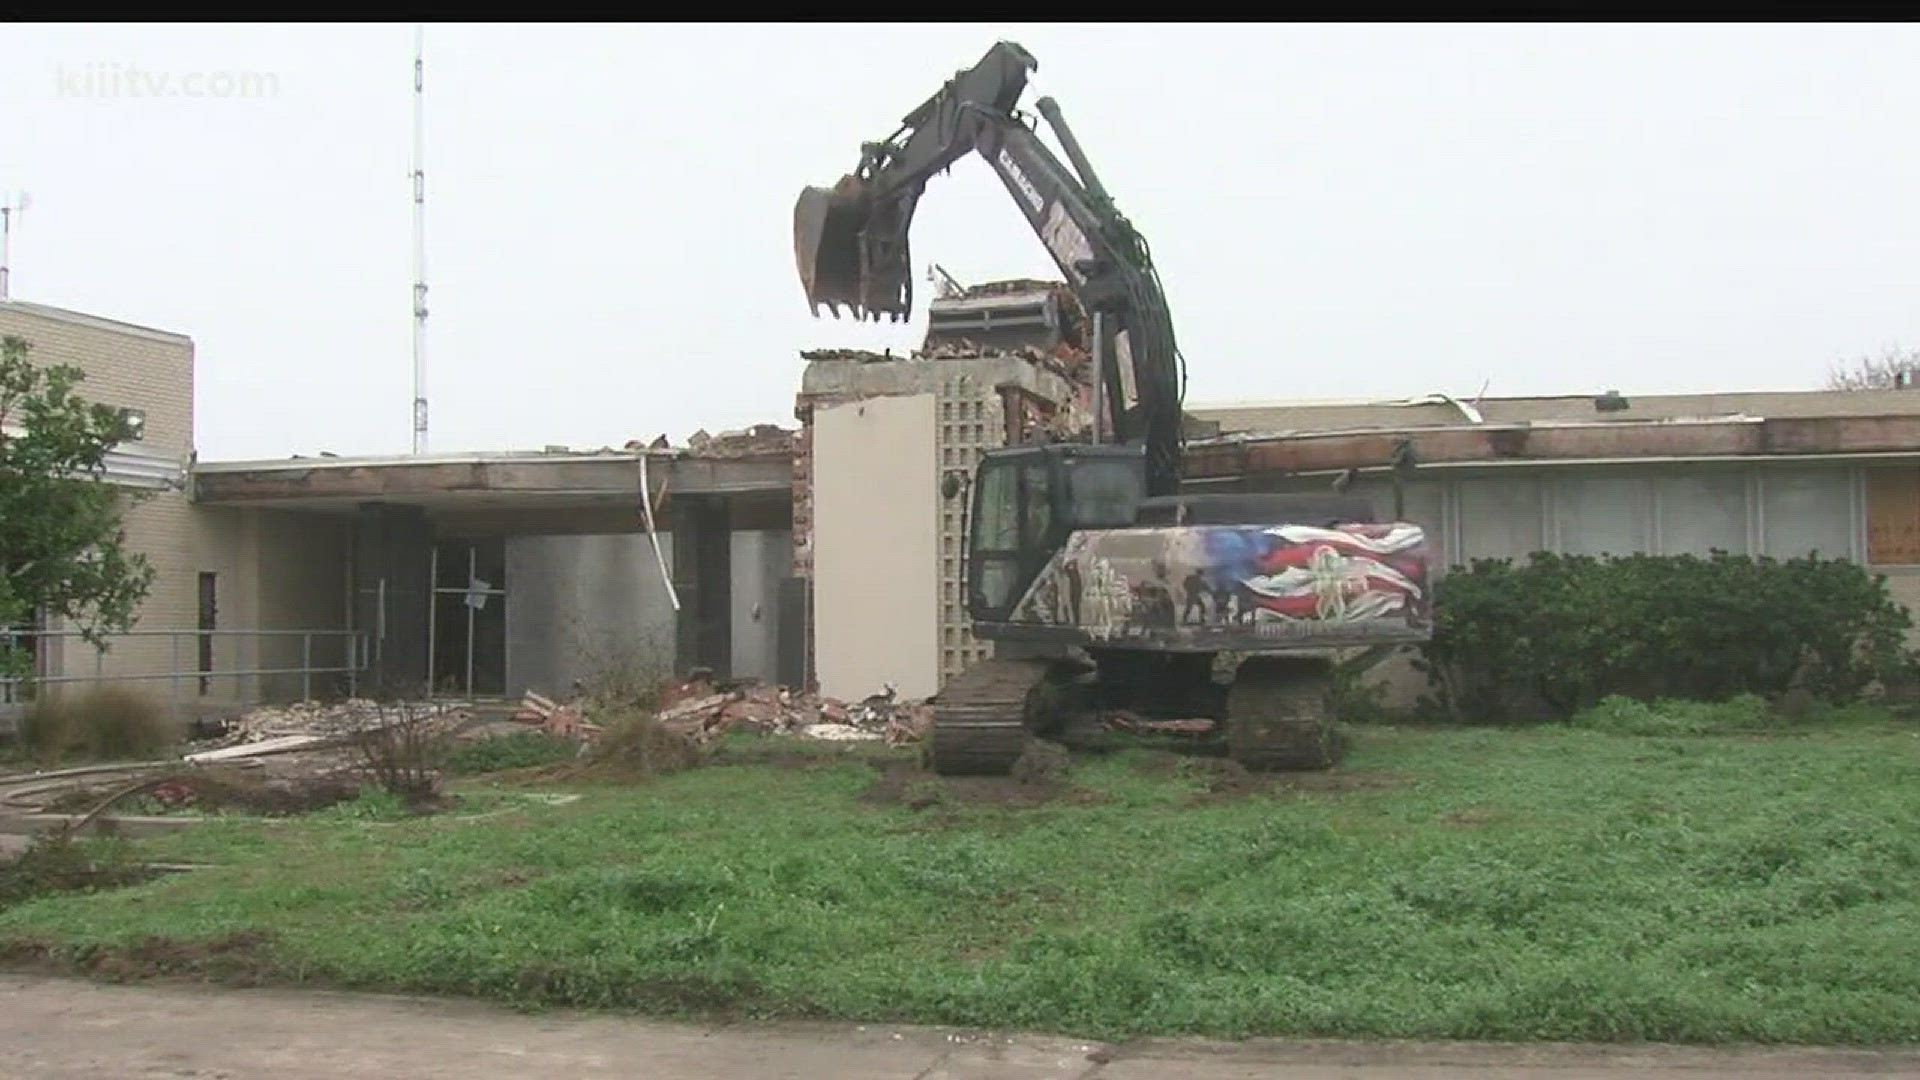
876,517
272,570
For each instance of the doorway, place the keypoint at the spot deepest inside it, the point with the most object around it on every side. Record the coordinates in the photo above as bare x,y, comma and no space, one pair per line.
466,620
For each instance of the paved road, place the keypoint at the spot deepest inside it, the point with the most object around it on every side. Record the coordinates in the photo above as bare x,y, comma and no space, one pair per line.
71,1030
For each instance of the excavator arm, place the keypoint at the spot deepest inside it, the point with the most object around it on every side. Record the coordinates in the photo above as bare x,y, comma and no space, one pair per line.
851,240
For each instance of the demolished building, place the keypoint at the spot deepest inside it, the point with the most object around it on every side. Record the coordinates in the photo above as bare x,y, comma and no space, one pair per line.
828,556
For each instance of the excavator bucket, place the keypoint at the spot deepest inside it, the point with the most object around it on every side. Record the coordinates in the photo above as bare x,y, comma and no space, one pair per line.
841,240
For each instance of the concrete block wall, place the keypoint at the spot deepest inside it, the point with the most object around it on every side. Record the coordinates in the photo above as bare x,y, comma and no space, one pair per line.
969,419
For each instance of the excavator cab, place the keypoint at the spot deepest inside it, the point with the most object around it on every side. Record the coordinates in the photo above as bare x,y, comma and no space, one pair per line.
851,249
1026,500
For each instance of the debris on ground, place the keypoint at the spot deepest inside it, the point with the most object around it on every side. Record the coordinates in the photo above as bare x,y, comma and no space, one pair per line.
778,710
564,721
701,710
1134,724
331,719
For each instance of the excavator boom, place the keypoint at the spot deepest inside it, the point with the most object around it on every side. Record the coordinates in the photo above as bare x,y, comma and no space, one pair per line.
851,240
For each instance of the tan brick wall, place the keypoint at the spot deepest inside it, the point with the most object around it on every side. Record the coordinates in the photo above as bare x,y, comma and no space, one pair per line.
129,366
275,570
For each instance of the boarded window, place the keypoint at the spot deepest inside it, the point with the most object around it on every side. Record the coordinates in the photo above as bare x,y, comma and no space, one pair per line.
1893,517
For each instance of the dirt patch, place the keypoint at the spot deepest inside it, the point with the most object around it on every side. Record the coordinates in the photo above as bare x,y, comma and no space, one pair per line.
238,959
904,783
212,791
1472,818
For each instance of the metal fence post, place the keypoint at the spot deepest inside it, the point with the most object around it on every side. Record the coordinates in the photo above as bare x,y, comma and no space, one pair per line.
306,666
354,649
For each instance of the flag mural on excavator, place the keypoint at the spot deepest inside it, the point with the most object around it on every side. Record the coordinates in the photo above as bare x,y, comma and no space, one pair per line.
1200,585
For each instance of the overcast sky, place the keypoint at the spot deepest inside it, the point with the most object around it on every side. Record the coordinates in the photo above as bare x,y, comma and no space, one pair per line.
1338,212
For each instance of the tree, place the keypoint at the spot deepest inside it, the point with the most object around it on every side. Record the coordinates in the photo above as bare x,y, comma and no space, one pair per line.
1897,367
62,548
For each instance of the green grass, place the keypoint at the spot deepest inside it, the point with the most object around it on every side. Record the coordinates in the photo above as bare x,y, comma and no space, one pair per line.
1556,883
521,750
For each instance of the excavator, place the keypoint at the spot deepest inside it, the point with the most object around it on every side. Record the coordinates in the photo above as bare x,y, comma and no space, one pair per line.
1106,590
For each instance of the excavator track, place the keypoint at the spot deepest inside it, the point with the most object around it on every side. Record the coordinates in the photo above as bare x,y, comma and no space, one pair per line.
1278,714
980,719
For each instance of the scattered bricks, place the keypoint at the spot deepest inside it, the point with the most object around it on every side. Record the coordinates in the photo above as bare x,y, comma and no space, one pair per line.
832,711
698,684
694,708
567,723
764,715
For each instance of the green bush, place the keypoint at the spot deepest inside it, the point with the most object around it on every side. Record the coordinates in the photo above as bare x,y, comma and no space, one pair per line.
1560,633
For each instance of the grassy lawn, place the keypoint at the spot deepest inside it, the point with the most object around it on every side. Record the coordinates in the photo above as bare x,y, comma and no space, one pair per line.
1547,884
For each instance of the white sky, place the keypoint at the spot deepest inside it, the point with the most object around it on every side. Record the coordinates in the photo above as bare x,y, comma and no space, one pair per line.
1337,211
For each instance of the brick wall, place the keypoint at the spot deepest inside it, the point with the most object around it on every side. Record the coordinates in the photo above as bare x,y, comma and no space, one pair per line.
272,569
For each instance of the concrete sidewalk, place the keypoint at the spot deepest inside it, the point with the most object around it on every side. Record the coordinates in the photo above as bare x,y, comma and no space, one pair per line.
72,1030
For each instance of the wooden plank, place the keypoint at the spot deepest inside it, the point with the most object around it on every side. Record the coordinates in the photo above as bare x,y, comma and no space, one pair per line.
1893,516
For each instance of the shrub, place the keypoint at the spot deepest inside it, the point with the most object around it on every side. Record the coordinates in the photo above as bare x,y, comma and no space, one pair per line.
57,862
636,745
101,722
1559,634
627,677
403,753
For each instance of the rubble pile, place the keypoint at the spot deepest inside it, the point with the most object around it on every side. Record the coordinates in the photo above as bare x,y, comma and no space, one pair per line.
1067,361
702,712
324,719
760,440
1008,287
865,356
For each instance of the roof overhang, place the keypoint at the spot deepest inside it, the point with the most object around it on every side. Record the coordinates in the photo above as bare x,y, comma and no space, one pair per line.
497,481
1559,442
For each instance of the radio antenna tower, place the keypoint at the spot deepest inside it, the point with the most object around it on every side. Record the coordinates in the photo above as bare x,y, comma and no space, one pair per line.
9,206
419,242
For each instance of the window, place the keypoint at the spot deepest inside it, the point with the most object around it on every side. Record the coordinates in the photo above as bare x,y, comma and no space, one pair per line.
209,622
1893,516
1036,502
1807,510
1104,494
995,571
1499,519
997,528
1603,515
1703,513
